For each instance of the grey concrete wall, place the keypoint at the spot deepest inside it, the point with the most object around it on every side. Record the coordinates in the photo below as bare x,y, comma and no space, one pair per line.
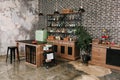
18,21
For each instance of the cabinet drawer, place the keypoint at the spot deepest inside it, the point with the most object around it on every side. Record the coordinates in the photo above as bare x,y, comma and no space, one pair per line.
98,62
71,44
97,54
99,59
96,51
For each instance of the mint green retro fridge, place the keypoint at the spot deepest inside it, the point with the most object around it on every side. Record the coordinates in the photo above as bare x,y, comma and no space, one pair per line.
41,35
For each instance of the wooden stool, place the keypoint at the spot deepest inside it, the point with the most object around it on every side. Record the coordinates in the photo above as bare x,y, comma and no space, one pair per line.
12,49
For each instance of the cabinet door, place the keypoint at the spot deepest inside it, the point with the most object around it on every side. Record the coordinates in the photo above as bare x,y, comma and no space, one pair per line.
30,54
56,48
70,48
67,50
62,49
99,54
70,51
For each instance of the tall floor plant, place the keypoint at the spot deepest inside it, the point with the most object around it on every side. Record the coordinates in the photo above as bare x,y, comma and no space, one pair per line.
83,42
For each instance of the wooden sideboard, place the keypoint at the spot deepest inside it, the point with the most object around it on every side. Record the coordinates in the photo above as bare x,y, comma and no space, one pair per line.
99,55
66,49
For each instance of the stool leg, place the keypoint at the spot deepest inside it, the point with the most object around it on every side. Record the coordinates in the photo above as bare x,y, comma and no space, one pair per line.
18,55
7,54
14,54
11,56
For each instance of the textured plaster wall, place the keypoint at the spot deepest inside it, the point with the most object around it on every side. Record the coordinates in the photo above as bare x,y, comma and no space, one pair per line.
18,21
98,14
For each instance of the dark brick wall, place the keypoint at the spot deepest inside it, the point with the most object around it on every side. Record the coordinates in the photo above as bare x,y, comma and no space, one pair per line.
98,14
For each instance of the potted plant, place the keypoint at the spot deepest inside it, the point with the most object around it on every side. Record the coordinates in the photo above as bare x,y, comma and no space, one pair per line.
83,43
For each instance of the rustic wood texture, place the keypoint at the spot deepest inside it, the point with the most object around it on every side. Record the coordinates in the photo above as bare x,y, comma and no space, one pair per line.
66,44
99,55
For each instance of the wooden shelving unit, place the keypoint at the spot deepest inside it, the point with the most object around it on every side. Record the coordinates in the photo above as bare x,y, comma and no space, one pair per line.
62,27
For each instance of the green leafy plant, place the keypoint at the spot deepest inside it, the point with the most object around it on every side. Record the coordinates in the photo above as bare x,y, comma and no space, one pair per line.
83,40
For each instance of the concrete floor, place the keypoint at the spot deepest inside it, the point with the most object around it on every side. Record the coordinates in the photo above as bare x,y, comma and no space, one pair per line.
64,70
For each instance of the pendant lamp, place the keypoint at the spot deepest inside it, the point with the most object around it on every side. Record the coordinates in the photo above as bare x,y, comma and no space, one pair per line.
81,7
40,13
56,7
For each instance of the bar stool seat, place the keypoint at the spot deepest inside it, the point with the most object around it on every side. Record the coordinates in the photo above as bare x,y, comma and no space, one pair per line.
13,51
